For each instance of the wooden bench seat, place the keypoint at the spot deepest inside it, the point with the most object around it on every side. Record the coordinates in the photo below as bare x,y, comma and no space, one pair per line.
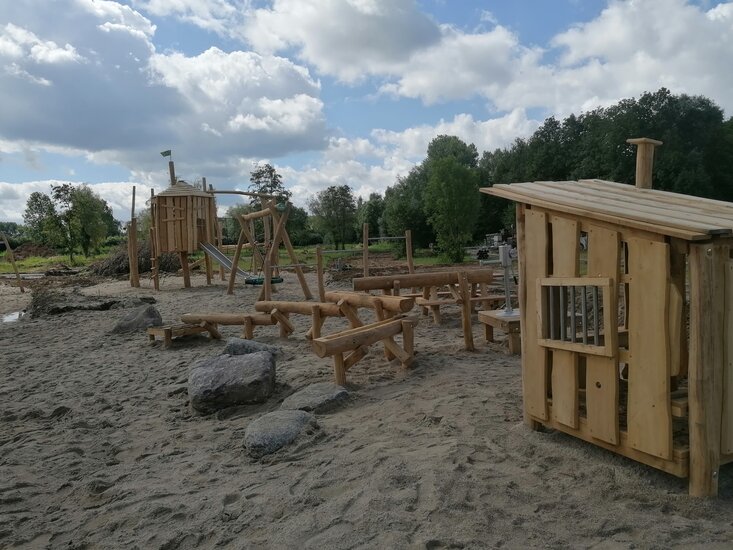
168,332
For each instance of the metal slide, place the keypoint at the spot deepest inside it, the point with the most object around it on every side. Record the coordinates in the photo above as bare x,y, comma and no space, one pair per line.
222,258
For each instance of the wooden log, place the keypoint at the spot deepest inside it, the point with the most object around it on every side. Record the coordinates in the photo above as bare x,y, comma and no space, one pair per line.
227,318
408,338
235,261
132,248
349,312
317,322
220,244
706,370
466,311
356,337
286,327
294,258
154,260
339,369
302,308
9,254
186,271
256,215
422,279
408,251
644,160
396,304
355,356
365,247
319,274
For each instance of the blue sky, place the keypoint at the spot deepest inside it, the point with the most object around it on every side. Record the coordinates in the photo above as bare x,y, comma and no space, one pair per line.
329,91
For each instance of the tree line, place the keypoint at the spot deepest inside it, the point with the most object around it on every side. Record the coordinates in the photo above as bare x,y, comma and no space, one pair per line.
439,199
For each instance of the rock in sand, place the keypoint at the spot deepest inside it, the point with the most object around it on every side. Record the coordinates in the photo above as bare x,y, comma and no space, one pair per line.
227,380
240,346
317,398
275,430
139,319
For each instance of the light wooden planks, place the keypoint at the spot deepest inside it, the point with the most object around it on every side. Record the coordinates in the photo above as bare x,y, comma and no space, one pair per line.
707,355
726,439
565,257
535,246
602,386
590,210
649,408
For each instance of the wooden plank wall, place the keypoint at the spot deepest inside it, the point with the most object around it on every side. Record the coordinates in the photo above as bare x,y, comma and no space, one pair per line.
565,261
534,357
726,446
649,417
602,385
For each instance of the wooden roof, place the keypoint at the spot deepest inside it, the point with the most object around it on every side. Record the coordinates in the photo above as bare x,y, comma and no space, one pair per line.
672,214
181,189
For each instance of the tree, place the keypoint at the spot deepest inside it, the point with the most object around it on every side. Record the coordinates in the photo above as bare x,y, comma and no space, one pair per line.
38,216
451,204
71,218
266,180
452,146
335,211
371,212
403,207
12,230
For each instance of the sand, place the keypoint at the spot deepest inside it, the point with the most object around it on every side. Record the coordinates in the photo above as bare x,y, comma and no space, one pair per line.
99,448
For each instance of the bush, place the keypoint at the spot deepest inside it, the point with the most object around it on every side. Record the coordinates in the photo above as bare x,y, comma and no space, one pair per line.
117,262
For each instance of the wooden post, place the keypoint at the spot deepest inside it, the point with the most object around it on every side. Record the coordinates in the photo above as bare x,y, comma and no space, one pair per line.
235,262
267,286
132,253
319,274
154,261
466,311
338,369
172,172
186,269
9,254
220,236
706,370
644,160
365,246
408,251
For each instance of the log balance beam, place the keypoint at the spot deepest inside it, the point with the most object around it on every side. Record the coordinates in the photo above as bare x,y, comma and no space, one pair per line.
248,321
461,285
350,346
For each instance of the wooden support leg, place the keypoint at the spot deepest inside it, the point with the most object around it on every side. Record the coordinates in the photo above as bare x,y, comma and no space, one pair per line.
186,269
167,338
515,343
489,332
339,371
249,328
466,312
706,370
209,269
408,341
435,310
315,331
213,330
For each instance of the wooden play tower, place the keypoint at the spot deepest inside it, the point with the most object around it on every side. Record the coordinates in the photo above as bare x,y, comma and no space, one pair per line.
629,344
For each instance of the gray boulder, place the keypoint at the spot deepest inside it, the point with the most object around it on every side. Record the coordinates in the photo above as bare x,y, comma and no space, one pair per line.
227,380
240,346
317,398
275,430
140,318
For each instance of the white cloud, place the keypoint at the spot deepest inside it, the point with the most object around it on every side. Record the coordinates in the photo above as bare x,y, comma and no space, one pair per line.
346,38
17,42
218,16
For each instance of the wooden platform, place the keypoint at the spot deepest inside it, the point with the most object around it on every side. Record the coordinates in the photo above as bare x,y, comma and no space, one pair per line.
168,332
505,323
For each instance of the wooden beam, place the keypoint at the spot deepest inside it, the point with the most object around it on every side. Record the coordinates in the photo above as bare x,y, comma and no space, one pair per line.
302,308
423,279
396,304
644,160
356,337
319,274
9,254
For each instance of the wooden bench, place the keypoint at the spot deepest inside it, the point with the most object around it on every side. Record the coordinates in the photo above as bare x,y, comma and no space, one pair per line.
247,320
168,332
506,323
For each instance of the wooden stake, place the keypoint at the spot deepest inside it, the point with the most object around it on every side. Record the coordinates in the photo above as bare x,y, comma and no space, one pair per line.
339,369
365,246
154,260
319,274
235,261
132,252
9,254
644,160
186,269
466,311
408,251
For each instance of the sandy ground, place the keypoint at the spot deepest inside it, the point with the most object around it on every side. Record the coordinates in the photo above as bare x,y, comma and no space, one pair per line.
99,449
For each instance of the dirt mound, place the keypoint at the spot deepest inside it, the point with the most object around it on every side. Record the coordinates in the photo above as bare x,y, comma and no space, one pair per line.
117,263
26,250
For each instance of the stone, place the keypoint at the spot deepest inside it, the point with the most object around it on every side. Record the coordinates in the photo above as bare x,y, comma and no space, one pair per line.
228,380
141,318
317,398
275,430
240,346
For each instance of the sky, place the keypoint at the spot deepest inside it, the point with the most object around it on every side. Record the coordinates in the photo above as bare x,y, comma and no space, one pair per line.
330,92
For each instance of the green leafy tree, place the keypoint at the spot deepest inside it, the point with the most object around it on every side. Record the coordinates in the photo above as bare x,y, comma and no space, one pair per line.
451,204
39,217
335,212
265,179
371,212
403,208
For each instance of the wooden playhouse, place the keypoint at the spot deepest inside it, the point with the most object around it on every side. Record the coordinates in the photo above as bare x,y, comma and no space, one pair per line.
627,341
183,218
